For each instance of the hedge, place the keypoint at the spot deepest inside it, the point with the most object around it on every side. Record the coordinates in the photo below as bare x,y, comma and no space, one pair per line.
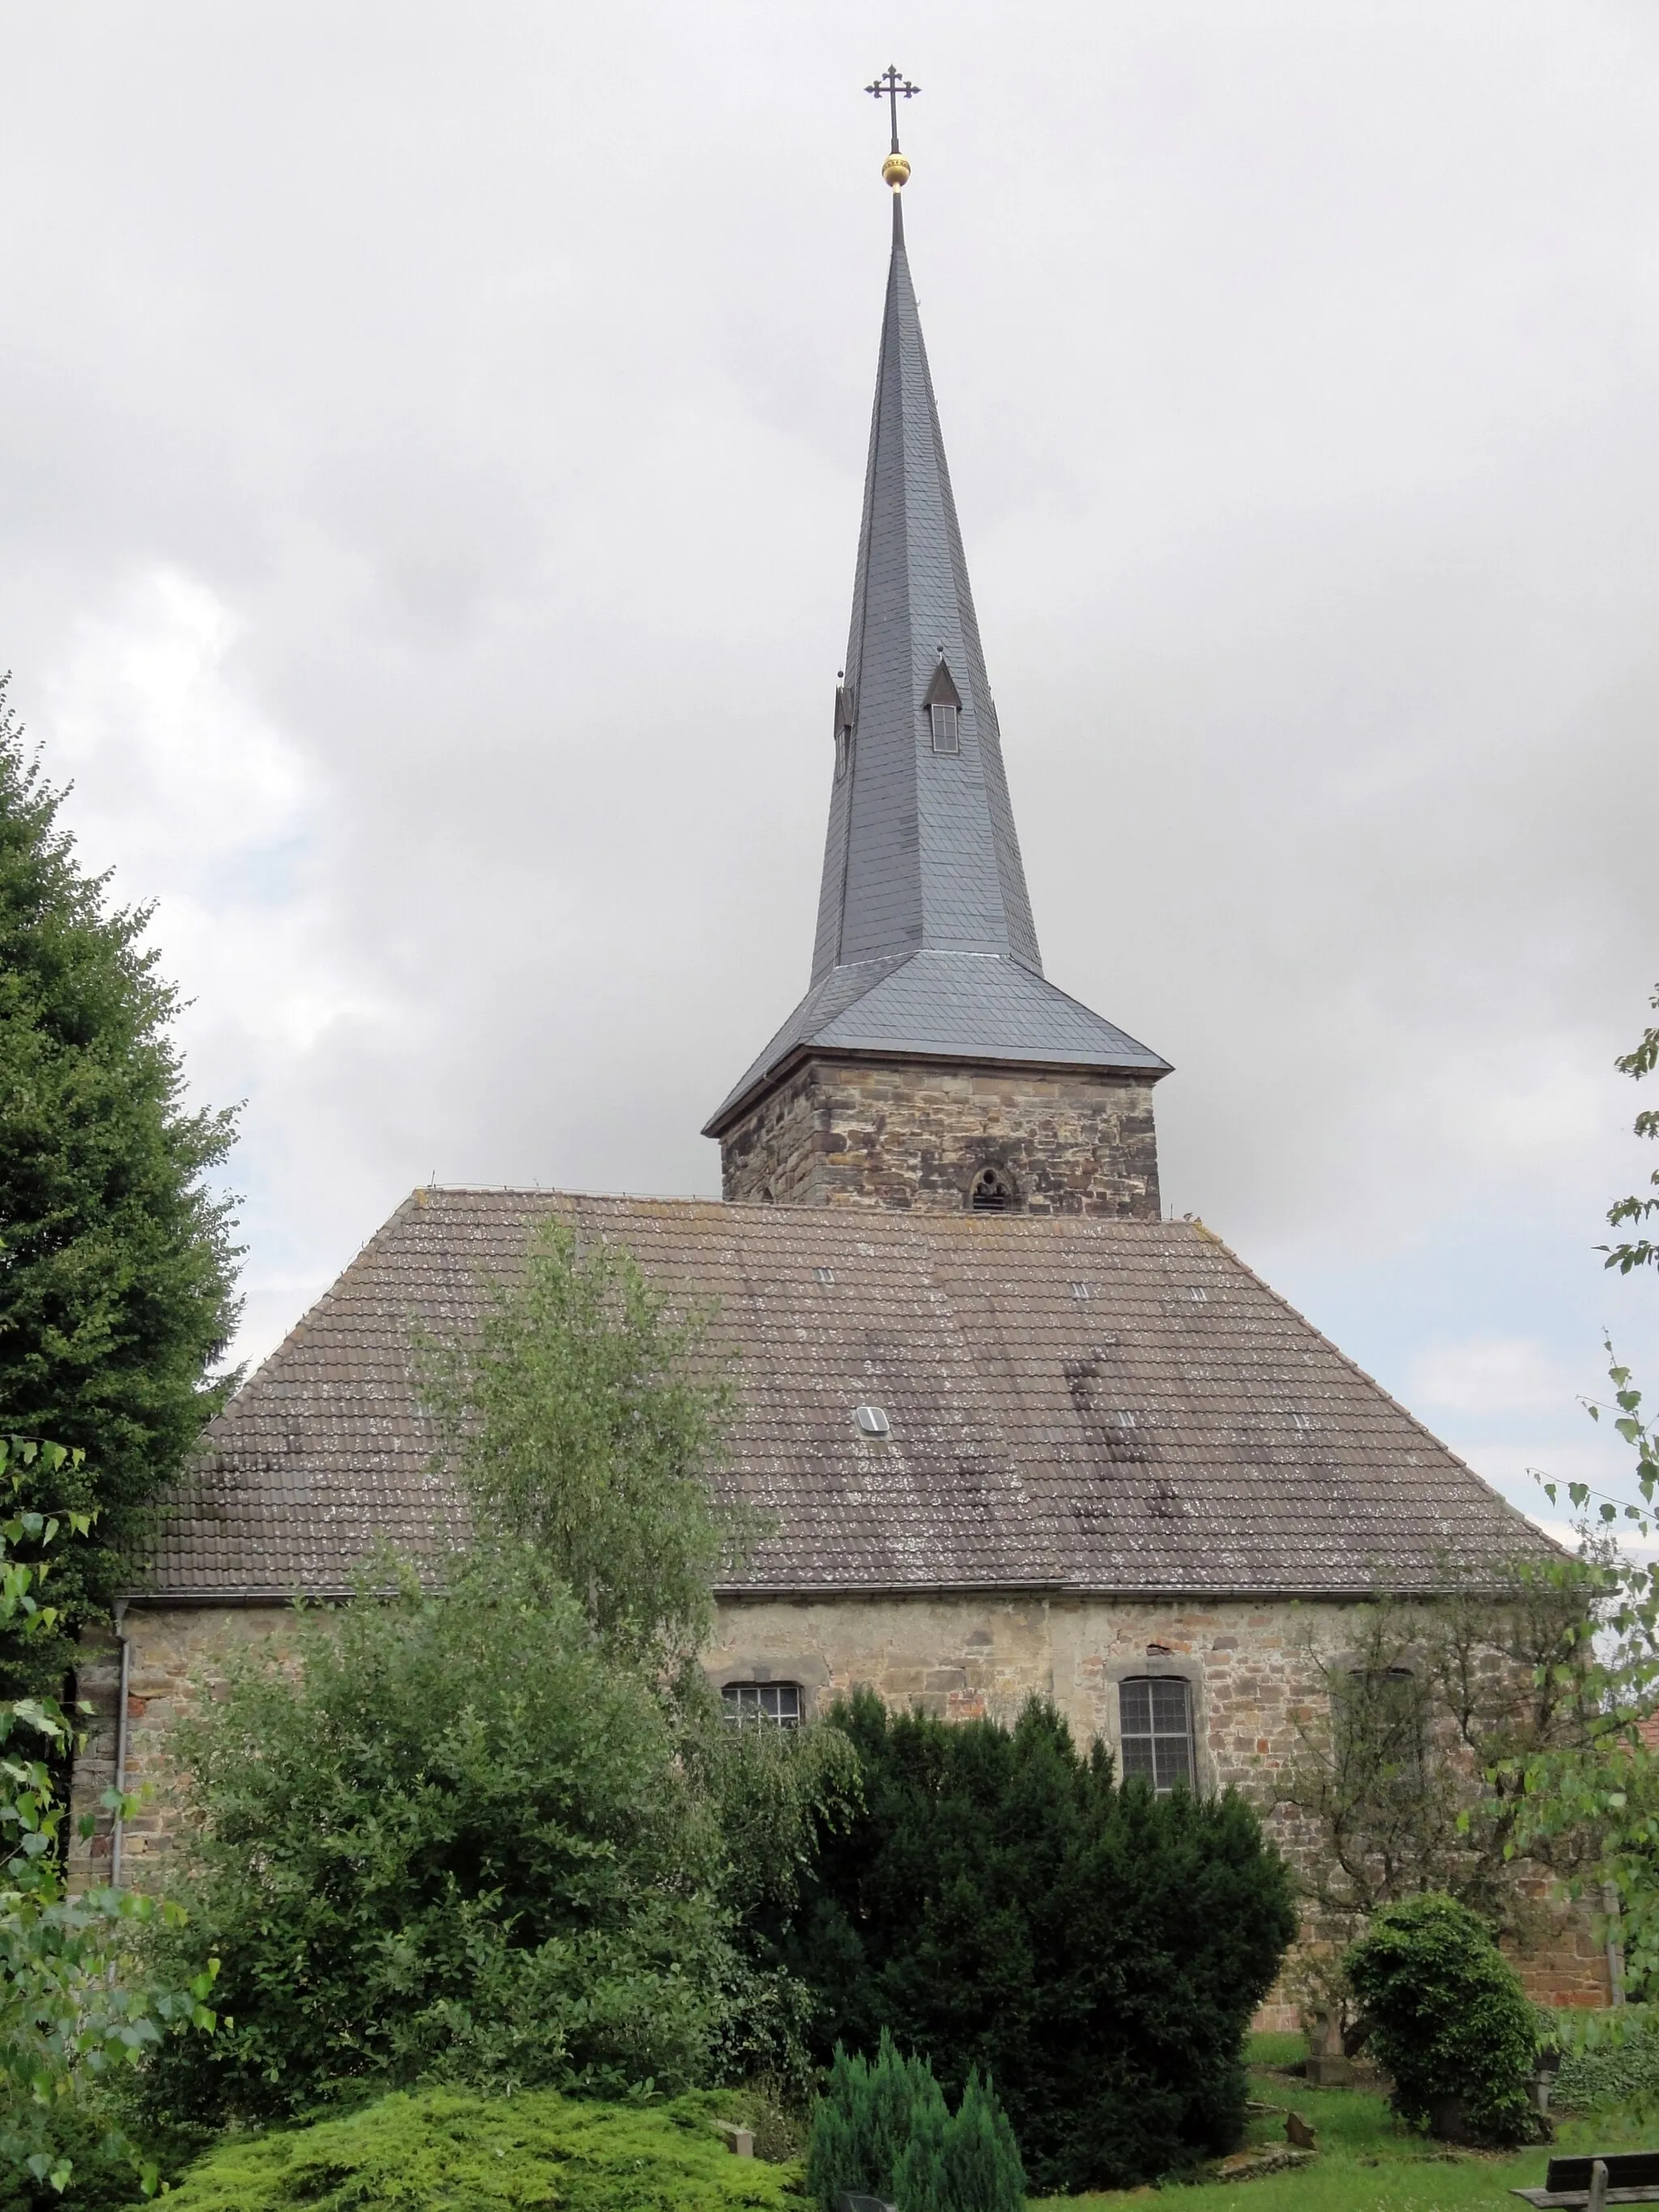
408,2153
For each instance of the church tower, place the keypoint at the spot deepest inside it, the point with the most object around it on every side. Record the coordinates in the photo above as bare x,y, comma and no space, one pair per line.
930,1063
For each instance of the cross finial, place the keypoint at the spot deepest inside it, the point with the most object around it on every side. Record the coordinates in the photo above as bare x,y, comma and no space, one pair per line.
892,88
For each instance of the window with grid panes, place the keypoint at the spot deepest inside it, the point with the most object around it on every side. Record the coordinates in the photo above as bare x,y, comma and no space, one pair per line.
762,1704
1155,1728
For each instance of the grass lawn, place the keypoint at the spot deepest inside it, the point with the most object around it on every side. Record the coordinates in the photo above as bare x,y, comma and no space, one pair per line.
1367,2165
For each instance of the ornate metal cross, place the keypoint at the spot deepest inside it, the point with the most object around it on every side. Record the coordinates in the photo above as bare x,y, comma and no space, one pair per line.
892,88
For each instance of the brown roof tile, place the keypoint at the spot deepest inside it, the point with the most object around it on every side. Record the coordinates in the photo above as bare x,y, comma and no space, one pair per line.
1079,1404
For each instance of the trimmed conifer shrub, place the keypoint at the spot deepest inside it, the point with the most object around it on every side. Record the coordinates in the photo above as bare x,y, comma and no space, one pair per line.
1002,1905
975,2167
1450,2020
866,2119
883,2128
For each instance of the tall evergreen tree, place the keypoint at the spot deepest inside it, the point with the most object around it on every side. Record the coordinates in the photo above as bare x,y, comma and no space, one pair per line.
1001,1903
116,1267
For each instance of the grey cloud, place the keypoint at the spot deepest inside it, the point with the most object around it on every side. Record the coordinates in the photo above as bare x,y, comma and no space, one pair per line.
503,376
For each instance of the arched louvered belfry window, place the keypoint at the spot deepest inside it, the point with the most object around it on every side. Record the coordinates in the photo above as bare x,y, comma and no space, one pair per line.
992,1191
943,706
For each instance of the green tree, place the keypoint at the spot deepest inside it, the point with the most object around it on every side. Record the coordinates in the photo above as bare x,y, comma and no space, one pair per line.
586,1418
75,2002
1450,2020
1409,1774
1607,1786
1001,1903
449,1839
116,1260
1638,1251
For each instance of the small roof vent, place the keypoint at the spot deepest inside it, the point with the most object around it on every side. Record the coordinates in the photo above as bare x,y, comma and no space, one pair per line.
872,1420
824,1275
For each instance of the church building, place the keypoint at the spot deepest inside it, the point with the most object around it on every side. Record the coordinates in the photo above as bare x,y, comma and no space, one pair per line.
1012,1429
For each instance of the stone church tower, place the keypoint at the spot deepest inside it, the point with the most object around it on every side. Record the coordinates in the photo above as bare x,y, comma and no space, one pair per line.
931,1065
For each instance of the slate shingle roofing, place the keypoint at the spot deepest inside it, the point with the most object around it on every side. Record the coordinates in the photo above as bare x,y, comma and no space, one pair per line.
1075,1405
925,937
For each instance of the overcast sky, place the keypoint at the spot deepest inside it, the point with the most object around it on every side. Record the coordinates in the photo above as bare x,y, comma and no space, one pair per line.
431,442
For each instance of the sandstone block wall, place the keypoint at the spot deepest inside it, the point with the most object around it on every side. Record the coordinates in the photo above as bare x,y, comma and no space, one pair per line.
176,1658
1250,1687
855,1133
1250,1691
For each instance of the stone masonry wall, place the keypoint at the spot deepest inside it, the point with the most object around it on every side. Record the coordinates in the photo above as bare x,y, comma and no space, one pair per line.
898,1134
1245,1665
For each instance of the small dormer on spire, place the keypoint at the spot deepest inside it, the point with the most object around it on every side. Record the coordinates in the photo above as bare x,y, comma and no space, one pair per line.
845,722
943,705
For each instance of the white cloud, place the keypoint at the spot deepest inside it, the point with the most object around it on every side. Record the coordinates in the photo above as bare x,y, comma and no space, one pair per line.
429,540
1492,1375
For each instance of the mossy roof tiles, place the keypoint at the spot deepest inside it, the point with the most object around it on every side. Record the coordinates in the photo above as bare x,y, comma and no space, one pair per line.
1074,1405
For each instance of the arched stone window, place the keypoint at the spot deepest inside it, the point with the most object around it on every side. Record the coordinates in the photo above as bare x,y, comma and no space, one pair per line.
992,1191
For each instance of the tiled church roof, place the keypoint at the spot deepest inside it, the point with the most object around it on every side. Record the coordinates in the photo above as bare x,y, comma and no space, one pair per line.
1074,1405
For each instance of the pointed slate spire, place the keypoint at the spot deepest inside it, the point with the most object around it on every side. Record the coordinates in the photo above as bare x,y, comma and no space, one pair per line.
921,850
925,943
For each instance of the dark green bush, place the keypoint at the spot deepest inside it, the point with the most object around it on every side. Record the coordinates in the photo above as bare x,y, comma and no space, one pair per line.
1449,2020
1001,1903
883,2128
412,2153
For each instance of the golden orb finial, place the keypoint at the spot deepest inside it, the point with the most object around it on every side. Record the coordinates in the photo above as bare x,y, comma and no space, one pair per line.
892,88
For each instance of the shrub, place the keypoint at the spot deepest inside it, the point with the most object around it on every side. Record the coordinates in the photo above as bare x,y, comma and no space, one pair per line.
1607,2060
1449,2020
970,2164
410,2153
451,1840
77,2007
882,2128
1001,1903
865,2120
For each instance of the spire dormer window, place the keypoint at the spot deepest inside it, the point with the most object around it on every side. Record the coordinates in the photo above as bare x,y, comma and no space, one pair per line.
944,707
846,715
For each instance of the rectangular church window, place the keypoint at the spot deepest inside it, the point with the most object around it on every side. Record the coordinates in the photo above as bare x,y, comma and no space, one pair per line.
945,727
1156,1729
762,1704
